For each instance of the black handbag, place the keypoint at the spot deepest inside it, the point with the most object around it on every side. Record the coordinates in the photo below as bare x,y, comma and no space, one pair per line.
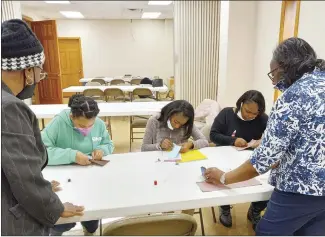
157,83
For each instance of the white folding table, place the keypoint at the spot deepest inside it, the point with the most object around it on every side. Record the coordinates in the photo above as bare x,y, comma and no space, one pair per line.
125,186
128,89
106,109
106,79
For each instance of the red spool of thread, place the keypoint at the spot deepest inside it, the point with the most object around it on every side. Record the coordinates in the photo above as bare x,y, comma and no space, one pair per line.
155,182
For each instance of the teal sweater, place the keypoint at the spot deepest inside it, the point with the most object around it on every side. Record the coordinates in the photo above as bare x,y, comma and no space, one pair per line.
63,141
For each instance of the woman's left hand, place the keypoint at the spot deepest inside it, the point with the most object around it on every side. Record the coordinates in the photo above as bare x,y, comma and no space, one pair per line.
97,154
186,147
213,175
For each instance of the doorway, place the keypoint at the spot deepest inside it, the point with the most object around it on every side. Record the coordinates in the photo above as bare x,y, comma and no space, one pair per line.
71,62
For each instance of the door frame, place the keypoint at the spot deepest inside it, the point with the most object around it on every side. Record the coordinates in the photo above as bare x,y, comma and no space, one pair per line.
29,20
79,40
289,23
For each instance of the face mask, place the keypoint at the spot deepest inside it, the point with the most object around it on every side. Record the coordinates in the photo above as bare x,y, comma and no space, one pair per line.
281,86
241,117
169,125
85,131
27,92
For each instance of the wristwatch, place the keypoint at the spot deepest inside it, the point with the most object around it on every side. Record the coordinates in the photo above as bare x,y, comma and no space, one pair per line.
223,178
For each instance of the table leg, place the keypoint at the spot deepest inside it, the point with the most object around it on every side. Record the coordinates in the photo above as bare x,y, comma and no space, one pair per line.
201,220
214,215
100,227
157,94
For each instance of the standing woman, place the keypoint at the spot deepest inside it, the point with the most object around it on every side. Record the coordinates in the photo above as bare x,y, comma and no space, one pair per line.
28,204
295,140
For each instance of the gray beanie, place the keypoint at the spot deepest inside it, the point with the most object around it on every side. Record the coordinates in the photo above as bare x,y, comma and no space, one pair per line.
20,48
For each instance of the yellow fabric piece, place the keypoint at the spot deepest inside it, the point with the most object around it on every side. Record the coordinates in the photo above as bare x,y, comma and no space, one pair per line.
192,155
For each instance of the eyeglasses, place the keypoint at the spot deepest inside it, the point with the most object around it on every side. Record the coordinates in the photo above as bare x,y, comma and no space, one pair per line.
270,74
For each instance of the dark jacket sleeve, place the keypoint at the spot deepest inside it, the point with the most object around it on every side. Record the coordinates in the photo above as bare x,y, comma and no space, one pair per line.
22,163
264,118
218,130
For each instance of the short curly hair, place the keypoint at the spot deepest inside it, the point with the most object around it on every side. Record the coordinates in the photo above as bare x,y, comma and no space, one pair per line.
296,57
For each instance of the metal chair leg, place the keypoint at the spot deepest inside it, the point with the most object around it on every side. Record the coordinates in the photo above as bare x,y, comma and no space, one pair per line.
201,220
43,124
214,215
130,133
110,127
100,227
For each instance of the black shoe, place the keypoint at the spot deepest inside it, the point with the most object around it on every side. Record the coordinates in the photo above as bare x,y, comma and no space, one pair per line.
225,217
254,216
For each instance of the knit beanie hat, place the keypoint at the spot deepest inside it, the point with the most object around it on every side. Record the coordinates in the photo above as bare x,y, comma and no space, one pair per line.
20,48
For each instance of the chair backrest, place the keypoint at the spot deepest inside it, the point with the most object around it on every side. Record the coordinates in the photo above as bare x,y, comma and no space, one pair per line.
140,92
136,81
113,92
171,94
96,93
99,80
91,83
117,81
155,225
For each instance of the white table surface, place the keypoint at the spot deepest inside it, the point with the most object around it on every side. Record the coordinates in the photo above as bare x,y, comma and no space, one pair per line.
106,109
106,79
80,89
125,186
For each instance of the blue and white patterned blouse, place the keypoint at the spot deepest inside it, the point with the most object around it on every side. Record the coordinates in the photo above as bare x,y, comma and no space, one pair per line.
295,136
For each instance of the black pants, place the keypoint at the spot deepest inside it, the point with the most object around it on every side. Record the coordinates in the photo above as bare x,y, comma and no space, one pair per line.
90,226
257,206
293,214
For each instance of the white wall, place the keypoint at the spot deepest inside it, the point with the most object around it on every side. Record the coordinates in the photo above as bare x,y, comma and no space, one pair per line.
32,14
223,53
118,47
237,46
268,15
311,25
249,32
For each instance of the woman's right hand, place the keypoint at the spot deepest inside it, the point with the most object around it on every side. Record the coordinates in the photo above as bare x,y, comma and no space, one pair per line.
166,144
239,142
82,159
71,210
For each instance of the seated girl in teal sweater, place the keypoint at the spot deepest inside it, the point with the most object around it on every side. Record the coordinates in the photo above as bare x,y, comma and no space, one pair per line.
75,135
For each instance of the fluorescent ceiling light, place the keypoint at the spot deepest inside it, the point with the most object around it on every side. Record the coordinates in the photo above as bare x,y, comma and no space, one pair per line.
159,2
58,2
72,14
151,14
